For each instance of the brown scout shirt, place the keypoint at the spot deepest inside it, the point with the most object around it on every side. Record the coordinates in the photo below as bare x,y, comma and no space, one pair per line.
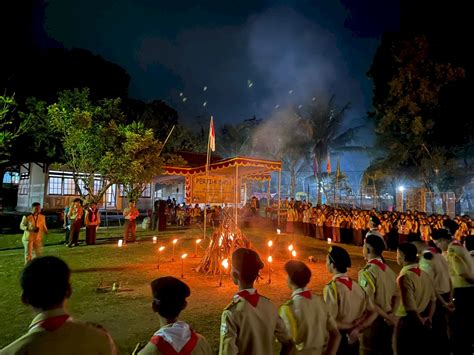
380,283
346,300
416,289
54,332
250,324
308,322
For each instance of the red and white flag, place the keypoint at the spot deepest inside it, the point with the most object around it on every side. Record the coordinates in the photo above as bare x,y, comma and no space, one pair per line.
212,136
328,165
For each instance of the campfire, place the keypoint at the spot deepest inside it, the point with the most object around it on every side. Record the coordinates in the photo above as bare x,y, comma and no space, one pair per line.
224,240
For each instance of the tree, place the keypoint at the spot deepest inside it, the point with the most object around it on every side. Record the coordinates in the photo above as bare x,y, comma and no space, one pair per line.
237,139
411,100
325,118
99,148
8,131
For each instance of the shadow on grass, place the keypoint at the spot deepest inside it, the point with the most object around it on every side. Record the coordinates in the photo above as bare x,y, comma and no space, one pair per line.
108,268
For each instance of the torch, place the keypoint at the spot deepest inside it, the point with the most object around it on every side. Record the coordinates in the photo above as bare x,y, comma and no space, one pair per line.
270,244
174,245
293,254
225,265
290,249
270,259
182,264
198,241
155,239
278,231
160,250
329,240
120,243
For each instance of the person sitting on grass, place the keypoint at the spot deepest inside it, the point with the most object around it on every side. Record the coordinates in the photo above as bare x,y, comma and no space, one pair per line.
46,287
250,322
174,336
306,316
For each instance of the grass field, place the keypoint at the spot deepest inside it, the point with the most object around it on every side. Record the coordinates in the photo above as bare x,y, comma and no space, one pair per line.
127,314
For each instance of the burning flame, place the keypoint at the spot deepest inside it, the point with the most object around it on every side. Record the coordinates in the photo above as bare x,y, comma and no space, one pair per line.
184,256
160,249
225,264
329,240
220,241
270,259
120,243
270,243
290,247
198,241
278,231
154,240
175,241
293,253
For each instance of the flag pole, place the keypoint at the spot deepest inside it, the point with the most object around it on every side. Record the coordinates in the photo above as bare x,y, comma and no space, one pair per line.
208,160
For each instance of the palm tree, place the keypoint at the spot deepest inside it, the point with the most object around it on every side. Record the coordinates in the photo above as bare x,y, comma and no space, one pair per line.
326,118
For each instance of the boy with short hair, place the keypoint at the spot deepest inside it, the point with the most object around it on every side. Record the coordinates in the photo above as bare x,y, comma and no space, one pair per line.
46,287
174,336
250,322
306,316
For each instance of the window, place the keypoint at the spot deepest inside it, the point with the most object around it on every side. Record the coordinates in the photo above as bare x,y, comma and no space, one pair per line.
121,191
81,188
55,185
24,186
97,185
147,191
111,196
69,187
11,178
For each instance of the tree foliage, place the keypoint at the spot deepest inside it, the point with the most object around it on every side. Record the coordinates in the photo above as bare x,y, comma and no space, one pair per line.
419,135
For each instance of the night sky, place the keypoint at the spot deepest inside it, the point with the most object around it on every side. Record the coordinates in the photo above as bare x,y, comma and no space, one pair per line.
232,59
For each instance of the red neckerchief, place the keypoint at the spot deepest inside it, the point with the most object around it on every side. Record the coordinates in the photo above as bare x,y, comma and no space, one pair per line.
53,323
416,270
305,294
167,349
251,298
380,264
346,281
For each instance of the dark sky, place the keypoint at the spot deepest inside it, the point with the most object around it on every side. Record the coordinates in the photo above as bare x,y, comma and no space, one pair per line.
286,50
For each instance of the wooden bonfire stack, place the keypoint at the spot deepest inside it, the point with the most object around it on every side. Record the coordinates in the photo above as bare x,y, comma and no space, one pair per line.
224,240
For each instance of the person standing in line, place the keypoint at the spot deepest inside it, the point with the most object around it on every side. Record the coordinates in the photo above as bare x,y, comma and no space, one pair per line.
174,336
33,226
346,300
46,286
379,282
306,316
130,214
92,223
250,323
75,216
418,304
67,223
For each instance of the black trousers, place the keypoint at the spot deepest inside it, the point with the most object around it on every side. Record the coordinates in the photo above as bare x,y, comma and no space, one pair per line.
413,338
441,327
75,230
345,348
377,339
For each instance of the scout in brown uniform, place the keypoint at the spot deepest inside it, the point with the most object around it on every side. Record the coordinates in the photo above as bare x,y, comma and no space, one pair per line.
92,223
461,270
250,322
379,283
174,337
33,225
75,216
346,300
46,286
418,303
306,316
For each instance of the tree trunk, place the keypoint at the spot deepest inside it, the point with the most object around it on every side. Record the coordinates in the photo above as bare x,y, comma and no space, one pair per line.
292,183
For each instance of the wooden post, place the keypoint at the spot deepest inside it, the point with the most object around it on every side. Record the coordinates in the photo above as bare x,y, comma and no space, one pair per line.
279,197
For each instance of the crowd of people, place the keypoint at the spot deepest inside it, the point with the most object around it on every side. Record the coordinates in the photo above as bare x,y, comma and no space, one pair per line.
427,308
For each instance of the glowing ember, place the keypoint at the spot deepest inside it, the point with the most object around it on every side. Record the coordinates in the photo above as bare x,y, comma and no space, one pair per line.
184,256
270,259
270,243
160,249
290,247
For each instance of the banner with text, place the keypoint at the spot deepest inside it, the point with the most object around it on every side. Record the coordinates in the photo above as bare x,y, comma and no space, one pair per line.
220,189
